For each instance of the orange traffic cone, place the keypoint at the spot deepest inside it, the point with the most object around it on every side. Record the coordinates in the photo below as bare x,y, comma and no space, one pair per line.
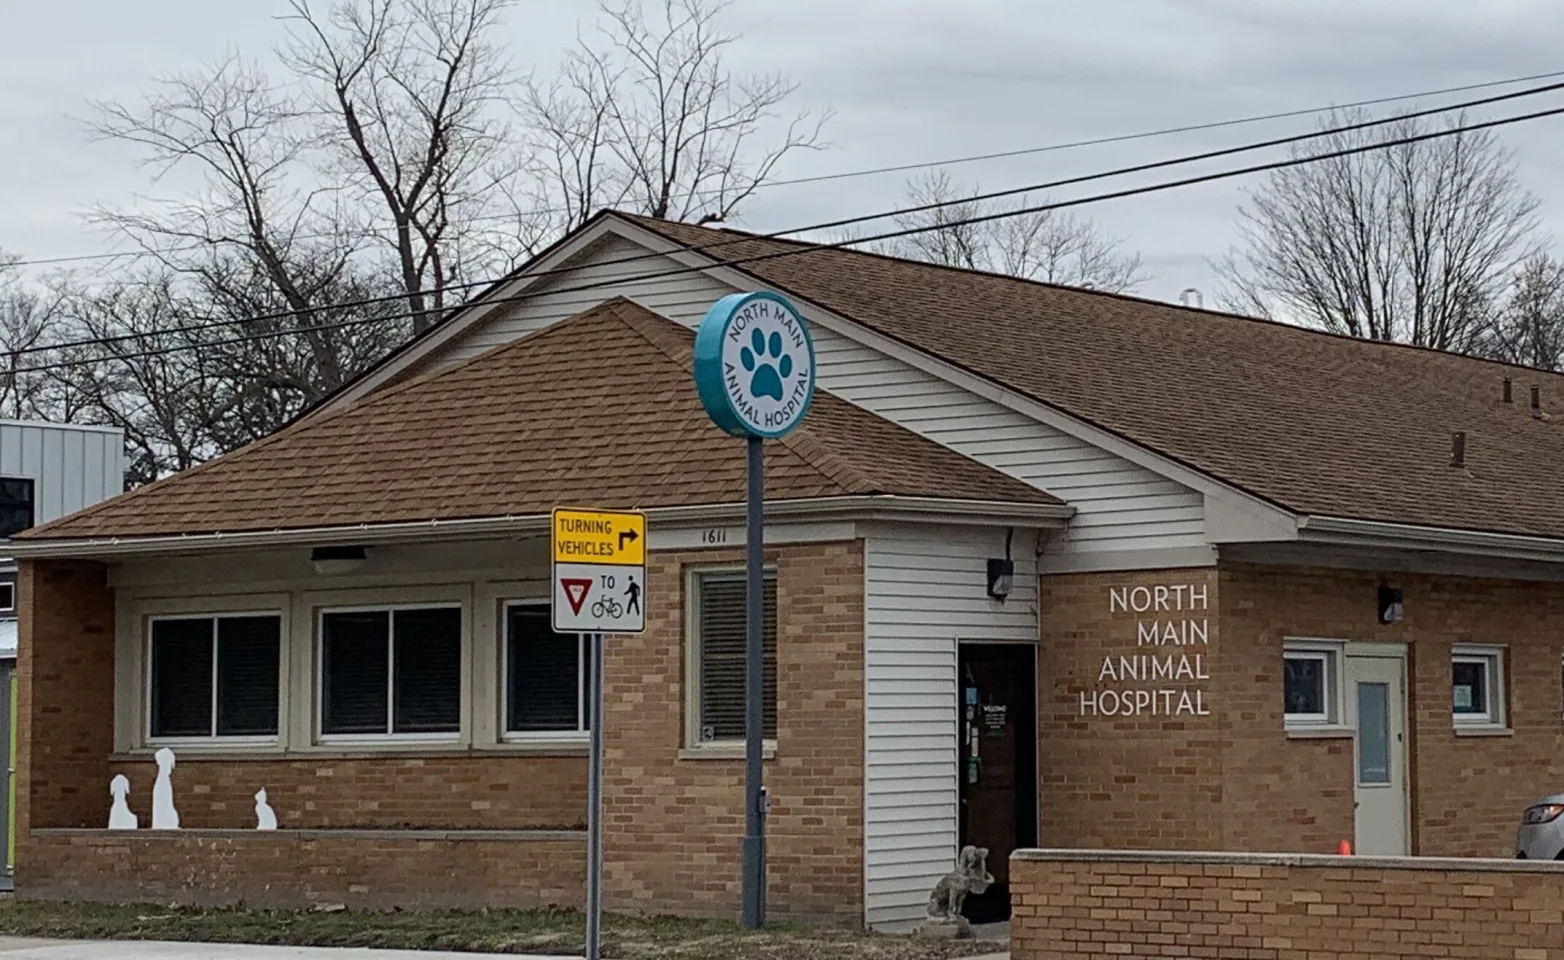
1344,848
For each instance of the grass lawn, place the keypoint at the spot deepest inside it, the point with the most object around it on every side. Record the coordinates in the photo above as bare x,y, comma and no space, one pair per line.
493,931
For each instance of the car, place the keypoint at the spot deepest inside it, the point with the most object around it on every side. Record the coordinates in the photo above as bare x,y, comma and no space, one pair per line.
1541,835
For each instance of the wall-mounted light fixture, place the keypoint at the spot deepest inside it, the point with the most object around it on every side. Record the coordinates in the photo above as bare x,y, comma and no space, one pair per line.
1389,604
335,561
1001,578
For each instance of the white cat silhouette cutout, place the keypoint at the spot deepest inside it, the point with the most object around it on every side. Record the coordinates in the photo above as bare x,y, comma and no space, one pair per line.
120,815
265,816
164,816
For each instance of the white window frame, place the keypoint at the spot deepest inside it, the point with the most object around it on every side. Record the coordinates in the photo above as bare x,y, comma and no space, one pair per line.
324,738
693,576
212,739
583,652
1332,654
1491,658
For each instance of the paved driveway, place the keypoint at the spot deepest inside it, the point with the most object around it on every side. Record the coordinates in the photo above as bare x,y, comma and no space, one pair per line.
21,949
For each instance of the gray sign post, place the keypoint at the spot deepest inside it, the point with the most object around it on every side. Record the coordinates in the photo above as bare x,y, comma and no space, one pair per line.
755,373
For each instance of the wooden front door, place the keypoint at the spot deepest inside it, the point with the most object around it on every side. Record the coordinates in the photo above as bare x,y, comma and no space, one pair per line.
998,768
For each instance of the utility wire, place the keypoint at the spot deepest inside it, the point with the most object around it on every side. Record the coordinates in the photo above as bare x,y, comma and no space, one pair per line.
805,249
212,322
924,165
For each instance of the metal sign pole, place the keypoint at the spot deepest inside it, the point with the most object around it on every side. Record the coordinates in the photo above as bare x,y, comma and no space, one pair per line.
754,903
594,906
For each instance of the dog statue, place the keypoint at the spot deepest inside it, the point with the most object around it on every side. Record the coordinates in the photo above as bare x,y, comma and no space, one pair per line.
971,876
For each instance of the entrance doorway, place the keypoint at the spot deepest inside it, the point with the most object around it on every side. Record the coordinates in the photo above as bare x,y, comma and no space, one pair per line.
1376,709
997,720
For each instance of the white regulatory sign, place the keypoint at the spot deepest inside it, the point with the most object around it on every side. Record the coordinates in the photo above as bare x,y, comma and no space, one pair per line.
599,598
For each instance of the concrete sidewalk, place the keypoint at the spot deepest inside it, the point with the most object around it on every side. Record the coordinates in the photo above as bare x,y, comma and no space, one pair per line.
12,948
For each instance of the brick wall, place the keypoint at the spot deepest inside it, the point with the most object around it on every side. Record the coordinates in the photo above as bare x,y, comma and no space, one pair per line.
673,826
65,694
1147,780
1085,905
1234,780
1467,792
436,793
292,870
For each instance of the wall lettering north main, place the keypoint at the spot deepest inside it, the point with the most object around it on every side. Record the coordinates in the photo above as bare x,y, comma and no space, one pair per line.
1162,684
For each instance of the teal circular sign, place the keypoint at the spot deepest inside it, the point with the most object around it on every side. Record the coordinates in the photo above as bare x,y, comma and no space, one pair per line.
754,365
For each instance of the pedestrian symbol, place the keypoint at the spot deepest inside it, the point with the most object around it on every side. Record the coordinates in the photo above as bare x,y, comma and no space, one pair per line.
633,591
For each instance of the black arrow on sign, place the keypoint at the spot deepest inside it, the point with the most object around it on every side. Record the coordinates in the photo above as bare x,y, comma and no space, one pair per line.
627,536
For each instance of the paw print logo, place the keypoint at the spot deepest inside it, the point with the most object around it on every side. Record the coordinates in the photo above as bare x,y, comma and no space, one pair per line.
767,364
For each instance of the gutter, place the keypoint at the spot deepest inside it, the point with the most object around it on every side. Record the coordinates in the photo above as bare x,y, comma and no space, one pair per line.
1344,530
869,508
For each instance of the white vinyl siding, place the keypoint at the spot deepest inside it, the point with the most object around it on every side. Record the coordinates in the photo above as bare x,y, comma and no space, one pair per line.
924,591
684,297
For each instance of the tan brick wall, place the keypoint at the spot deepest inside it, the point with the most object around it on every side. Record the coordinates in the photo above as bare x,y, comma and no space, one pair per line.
65,694
1234,780
436,793
1142,781
673,826
1278,908
288,870
1468,792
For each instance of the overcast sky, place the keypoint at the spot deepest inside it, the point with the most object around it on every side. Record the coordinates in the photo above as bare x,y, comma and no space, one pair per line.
910,81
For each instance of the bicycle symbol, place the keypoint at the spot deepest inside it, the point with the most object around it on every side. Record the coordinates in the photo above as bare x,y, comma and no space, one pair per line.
608,607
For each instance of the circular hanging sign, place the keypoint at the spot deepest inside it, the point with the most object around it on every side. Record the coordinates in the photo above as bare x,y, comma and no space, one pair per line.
754,365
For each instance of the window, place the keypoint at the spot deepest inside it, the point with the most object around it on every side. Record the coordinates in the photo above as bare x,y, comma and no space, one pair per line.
1310,684
7,596
16,505
213,676
391,672
717,643
1477,683
547,675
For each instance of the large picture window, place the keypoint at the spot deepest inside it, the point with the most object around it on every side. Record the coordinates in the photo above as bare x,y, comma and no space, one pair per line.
213,676
547,676
391,672
717,643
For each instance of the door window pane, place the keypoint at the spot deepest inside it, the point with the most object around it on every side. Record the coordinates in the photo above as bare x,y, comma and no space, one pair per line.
1373,733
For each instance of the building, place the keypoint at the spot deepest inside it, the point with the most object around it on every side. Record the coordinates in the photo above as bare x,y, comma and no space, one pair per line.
47,470
1271,589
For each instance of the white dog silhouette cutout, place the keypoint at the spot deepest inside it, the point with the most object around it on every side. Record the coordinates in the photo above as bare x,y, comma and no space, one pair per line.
121,817
164,816
265,816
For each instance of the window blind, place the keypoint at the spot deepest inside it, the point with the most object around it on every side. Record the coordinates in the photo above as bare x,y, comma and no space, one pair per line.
720,625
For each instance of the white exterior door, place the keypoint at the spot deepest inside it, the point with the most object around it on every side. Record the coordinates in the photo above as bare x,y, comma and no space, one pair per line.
1376,704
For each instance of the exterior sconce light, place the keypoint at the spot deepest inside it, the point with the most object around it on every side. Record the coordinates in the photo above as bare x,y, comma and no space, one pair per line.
335,561
1389,604
1001,577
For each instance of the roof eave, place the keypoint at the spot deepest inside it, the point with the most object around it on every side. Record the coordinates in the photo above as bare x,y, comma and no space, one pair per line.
881,508
1399,536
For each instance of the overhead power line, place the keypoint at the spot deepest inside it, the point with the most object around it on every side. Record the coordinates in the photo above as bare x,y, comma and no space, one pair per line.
208,323
804,250
932,164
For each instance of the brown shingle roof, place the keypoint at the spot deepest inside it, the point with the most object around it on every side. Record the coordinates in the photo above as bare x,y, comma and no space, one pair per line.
1319,423
598,409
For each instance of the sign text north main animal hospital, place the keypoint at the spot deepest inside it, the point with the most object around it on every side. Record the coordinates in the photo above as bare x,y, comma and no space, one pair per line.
1162,683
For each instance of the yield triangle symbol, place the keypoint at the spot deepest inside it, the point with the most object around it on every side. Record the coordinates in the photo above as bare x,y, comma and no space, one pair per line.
575,592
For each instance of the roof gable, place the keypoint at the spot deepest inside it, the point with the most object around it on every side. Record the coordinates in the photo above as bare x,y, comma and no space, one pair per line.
597,409
1318,423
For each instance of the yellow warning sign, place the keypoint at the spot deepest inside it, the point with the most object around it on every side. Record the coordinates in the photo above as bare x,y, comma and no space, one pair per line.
599,536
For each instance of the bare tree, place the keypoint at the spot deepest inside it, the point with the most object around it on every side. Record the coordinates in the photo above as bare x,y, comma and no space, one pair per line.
412,98
27,315
1414,243
1529,327
1050,246
649,115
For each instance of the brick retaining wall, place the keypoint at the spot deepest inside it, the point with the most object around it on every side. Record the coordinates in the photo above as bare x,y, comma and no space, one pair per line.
293,869
1080,904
